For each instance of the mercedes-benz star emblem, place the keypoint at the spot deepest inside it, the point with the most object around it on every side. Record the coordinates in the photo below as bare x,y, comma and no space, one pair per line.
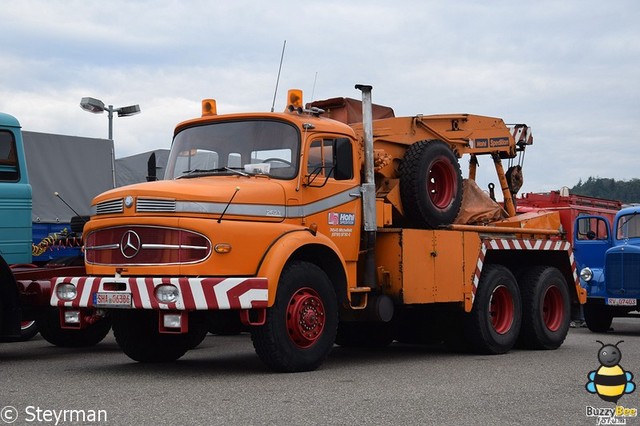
130,244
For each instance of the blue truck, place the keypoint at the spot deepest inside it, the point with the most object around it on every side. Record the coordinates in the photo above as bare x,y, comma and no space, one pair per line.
610,269
28,258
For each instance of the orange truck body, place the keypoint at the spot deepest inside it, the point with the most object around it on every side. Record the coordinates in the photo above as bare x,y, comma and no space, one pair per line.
240,235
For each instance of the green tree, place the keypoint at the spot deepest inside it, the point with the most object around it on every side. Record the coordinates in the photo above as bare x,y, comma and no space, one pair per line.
625,191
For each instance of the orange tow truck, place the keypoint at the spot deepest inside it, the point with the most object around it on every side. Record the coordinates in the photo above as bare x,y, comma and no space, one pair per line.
331,222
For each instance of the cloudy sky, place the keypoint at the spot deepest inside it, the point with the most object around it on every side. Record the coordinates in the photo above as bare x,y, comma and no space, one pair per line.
569,69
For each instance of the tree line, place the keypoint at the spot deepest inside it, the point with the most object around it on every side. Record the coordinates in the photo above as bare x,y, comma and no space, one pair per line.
627,191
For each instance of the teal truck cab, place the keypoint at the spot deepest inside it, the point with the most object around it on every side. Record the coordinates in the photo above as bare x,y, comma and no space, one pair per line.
24,285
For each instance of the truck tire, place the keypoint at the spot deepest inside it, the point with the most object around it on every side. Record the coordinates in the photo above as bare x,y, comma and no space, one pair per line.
301,326
545,308
597,317
493,325
430,184
49,327
137,334
364,334
28,330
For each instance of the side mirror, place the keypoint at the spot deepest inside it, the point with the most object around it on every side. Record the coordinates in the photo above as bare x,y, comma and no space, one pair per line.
151,168
343,159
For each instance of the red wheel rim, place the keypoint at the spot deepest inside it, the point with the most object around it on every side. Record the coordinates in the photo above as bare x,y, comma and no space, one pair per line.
552,308
26,324
501,309
305,317
441,185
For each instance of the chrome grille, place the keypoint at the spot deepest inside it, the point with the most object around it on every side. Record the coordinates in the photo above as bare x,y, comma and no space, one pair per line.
110,207
155,205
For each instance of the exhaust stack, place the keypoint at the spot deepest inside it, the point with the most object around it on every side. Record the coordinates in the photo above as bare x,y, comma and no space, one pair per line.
368,188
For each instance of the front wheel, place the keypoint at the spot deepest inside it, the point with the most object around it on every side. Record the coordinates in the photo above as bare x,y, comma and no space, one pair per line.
493,325
301,326
545,304
597,317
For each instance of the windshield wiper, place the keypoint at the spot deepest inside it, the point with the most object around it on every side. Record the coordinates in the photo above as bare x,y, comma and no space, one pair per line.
235,170
201,172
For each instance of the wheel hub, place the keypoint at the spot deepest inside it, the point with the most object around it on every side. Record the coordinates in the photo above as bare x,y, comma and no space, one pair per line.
440,184
501,310
305,317
552,309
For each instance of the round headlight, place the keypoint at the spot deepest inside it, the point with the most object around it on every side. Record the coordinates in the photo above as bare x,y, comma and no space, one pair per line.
586,274
167,293
66,291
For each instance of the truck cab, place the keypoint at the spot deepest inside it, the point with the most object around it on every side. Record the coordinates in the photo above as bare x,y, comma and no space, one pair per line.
610,266
15,221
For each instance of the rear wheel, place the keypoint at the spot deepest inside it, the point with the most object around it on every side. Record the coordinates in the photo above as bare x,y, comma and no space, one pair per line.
137,334
493,325
48,325
430,184
301,326
545,305
597,317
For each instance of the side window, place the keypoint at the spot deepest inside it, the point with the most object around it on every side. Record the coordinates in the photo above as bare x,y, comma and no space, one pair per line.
330,158
8,158
592,228
320,161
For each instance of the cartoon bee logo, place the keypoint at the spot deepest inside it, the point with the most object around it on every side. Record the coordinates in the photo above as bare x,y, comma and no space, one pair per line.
610,381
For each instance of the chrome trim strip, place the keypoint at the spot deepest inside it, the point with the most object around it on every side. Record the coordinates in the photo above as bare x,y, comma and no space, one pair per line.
268,210
172,246
104,247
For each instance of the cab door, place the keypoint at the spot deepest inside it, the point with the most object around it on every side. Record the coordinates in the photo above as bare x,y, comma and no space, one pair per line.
592,238
330,192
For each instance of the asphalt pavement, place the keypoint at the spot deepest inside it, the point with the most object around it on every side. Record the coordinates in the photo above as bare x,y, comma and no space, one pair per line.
222,382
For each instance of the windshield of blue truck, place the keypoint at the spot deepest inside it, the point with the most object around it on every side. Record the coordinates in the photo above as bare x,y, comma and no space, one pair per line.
628,226
253,147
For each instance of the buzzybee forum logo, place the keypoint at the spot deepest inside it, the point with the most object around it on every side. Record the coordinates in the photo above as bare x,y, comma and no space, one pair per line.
610,382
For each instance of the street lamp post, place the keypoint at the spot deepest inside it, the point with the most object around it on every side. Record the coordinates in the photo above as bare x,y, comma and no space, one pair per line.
96,106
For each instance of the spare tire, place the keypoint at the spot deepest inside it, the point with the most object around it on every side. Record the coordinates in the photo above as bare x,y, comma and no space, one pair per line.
430,184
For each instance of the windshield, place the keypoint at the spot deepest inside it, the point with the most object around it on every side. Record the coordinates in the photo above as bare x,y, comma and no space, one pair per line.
628,226
235,147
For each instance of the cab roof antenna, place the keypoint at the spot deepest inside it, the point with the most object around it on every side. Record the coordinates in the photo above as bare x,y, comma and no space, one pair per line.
313,91
275,93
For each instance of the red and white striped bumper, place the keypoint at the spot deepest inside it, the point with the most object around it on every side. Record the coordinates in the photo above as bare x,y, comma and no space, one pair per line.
194,293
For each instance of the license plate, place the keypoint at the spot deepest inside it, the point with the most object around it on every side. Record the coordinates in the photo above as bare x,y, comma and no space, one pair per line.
616,301
118,300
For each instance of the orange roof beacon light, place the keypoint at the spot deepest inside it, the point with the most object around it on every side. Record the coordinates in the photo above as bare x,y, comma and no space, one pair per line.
209,107
294,100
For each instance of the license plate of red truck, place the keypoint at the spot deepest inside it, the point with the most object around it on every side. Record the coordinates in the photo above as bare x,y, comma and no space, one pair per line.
118,300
